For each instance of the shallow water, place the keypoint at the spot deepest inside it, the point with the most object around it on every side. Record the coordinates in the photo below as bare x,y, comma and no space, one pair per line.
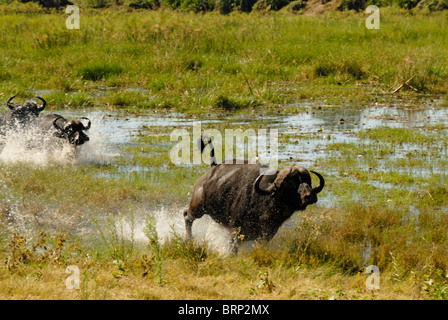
309,134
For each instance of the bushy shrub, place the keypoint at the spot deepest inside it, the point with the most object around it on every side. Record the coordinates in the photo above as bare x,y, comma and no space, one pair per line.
145,4
245,5
296,5
270,4
408,4
224,6
99,3
174,4
98,71
197,5
353,5
50,3
433,5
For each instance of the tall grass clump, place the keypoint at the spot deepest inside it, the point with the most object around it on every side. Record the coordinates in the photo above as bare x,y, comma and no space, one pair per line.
117,235
361,235
188,251
351,68
27,252
229,104
98,71
155,247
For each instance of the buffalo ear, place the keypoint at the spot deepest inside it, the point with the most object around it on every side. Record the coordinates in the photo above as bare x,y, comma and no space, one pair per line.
89,123
272,188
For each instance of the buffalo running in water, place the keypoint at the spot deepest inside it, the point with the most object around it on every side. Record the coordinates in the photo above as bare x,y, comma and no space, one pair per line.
19,116
57,130
251,200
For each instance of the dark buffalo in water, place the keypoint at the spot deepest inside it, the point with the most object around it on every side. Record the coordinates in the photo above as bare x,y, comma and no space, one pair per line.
54,125
251,200
19,116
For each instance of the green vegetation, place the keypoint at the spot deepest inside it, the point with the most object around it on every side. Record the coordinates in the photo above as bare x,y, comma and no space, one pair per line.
385,202
227,6
194,63
106,223
96,72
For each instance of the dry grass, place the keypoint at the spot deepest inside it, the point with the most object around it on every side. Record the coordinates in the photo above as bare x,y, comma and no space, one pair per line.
106,282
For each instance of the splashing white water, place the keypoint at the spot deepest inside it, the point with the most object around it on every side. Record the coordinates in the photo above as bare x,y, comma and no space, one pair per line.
170,223
30,145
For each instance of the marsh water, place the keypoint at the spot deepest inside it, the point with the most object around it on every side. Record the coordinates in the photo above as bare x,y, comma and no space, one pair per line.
304,137
307,136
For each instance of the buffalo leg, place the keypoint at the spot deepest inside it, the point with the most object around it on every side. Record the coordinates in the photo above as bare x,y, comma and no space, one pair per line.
188,225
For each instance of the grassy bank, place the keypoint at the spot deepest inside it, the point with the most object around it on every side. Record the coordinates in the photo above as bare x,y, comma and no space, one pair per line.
195,62
322,259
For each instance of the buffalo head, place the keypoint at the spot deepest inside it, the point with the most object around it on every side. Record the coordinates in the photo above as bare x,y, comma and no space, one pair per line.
293,185
25,113
72,130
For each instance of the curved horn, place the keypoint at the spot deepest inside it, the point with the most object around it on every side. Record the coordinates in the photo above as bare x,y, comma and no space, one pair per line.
321,183
9,104
270,190
89,123
56,125
44,104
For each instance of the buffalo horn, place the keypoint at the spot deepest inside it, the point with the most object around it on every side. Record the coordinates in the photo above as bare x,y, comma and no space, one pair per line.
56,125
44,104
321,183
9,104
270,190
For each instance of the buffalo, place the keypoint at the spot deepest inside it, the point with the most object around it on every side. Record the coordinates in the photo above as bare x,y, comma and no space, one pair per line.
250,200
54,125
19,116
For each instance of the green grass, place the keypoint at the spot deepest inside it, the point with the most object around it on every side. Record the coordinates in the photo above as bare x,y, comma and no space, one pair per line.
387,200
197,62
399,136
96,72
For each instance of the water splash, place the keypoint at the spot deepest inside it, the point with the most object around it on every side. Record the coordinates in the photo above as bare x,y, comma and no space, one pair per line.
29,145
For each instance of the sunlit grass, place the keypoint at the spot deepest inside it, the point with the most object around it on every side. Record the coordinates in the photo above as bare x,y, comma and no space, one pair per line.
188,61
388,192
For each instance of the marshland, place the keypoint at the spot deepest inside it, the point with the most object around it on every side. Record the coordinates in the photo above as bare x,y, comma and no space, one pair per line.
367,108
